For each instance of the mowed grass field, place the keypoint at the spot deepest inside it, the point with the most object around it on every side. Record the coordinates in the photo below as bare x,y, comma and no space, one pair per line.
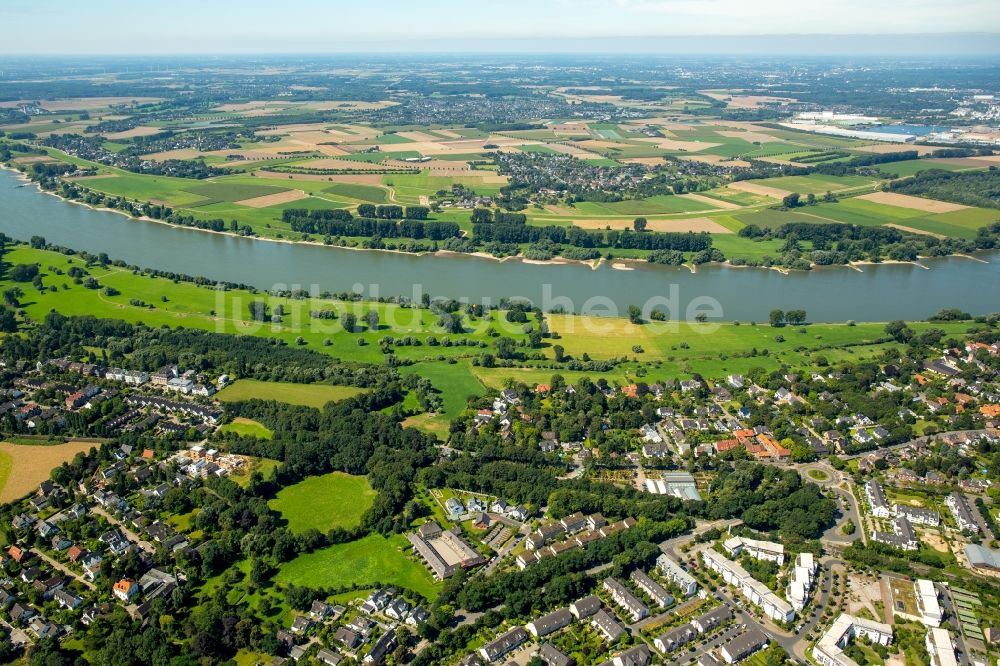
325,502
24,466
309,395
247,428
372,561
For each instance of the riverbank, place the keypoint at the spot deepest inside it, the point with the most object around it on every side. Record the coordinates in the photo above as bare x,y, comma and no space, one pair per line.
626,263
890,291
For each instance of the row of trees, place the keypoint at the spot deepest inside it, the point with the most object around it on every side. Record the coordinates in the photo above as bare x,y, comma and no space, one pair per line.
779,318
384,228
626,239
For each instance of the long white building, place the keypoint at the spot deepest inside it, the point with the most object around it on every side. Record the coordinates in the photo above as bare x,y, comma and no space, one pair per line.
755,591
960,509
673,572
940,648
759,550
876,500
829,650
801,581
927,603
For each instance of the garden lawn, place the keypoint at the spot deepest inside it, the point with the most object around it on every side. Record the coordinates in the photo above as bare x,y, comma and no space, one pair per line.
374,561
325,502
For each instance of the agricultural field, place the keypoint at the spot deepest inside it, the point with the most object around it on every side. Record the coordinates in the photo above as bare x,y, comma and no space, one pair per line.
816,184
24,466
334,500
650,206
347,174
374,560
587,147
309,395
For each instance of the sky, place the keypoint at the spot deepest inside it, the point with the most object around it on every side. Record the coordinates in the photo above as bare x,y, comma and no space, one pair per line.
330,26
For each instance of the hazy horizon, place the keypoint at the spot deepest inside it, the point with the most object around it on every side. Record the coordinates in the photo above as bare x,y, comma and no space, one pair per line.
119,27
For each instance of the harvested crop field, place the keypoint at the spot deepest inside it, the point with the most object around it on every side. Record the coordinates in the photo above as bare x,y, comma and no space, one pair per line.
24,466
32,159
273,199
176,154
88,103
357,178
142,130
695,224
913,203
715,159
911,230
571,128
596,144
346,165
686,146
647,161
717,203
979,161
747,136
419,136
755,188
883,148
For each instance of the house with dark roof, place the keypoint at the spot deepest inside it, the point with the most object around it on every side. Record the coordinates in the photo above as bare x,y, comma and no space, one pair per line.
503,644
608,624
675,638
743,646
550,623
552,656
585,607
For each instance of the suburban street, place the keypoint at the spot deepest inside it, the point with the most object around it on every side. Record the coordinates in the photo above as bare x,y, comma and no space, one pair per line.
795,644
129,534
63,568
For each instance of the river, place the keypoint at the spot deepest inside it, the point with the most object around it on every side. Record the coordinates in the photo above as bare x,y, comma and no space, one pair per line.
877,293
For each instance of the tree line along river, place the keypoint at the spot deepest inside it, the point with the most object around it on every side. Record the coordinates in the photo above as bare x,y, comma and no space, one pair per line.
877,293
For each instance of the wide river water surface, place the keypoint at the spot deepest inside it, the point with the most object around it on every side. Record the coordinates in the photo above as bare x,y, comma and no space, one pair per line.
876,293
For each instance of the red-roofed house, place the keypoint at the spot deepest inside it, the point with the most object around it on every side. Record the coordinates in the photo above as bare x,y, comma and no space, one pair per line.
125,589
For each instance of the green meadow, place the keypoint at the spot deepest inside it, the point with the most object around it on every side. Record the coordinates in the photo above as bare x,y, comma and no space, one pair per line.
324,502
309,395
373,561
245,427
139,300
